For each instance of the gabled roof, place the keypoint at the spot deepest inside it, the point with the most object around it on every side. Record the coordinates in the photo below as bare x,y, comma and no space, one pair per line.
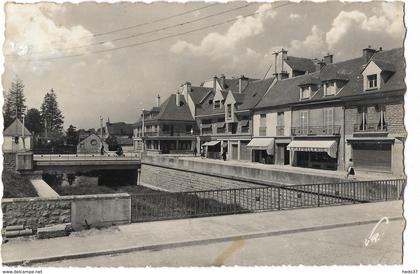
171,112
15,129
119,128
384,65
286,91
301,64
254,92
198,93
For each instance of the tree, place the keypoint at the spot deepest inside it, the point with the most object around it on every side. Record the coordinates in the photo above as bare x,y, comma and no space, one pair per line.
51,114
14,105
72,135
112,142
33,121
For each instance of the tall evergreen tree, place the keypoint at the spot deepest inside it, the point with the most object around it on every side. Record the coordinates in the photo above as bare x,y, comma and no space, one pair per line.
33,121
72,135
51,115
14,105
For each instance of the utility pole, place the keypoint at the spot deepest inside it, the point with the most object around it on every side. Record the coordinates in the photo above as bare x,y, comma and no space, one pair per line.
23,131
142,130
101,127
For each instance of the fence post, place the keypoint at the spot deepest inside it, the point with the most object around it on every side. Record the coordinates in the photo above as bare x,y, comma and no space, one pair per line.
317,193
234,201
354,192
278,197
386,190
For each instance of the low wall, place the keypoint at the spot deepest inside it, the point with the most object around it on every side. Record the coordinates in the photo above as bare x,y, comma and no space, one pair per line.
9,161
178,174
97,210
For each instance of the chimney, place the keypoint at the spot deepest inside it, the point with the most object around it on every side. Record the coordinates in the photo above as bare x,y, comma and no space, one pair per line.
178,99
243,81
158,101
283,58
223,78
188,86
368,53
214,83
284,75
276,74
328,59
319,64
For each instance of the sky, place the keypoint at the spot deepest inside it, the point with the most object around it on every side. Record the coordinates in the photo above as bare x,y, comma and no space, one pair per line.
102,60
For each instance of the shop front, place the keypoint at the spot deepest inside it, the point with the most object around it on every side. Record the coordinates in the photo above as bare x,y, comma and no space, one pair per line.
320,154
212,149
262,150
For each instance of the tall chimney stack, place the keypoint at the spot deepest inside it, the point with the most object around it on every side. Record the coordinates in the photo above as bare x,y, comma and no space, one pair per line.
158,101
328,59
223,78
283,58
368,53
178,99
214,83
243,81
276,73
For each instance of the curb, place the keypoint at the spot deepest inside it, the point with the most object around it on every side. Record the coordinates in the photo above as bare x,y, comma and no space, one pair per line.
189,243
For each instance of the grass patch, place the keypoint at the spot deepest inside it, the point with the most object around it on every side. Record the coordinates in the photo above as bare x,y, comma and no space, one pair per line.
17,186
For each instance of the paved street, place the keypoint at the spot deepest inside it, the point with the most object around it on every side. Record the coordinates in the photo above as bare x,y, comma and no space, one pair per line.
265,235
340,246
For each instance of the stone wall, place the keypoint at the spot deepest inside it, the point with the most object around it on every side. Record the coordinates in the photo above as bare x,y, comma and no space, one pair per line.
184,174
9,161
97,210
35,212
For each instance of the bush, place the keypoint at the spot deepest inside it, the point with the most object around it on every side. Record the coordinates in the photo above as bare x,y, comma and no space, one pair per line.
17,186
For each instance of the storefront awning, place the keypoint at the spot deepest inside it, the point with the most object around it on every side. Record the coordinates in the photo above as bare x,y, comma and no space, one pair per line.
262,144
210,144
205,126
244,123
330,147
220,124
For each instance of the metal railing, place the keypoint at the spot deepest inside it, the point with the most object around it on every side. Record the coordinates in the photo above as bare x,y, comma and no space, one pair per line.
318,130
370,127
160,206
86,157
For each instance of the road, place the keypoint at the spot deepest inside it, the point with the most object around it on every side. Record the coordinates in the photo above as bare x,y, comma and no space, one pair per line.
341,246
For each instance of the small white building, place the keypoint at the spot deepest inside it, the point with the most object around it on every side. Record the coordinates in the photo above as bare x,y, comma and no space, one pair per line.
91,144
16,138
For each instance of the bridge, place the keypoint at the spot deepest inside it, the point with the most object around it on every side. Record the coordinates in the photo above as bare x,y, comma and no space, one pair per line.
85,162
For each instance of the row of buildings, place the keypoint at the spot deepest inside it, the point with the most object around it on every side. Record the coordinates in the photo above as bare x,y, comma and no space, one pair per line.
311,113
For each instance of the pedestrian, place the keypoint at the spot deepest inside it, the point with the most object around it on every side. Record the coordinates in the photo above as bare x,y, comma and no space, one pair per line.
350,169
224,155
102,149
195,151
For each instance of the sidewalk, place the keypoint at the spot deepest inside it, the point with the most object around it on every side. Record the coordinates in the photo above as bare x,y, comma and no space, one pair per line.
188,232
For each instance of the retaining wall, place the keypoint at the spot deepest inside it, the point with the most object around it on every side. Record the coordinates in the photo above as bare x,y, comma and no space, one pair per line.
178,174
97,210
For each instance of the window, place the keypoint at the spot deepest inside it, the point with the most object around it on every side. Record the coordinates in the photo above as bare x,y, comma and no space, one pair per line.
166,128
305,92
304,121
217,104
330,89
329,120
188,129
229,111
372,81
280,119
210,102
263,120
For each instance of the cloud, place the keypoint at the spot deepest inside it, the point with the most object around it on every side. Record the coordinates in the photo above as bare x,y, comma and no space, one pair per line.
295,16
32,32
217,45
388,21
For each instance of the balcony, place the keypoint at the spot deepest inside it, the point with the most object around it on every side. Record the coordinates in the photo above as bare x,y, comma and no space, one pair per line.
263,131
316,131
280,131
370,127
150,133
175,133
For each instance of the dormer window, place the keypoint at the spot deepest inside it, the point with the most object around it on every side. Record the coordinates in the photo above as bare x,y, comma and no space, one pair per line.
372,81
229,111
330,89
217,104
305,92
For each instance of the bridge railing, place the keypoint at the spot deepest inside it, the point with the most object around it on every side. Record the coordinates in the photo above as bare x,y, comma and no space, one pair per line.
87,157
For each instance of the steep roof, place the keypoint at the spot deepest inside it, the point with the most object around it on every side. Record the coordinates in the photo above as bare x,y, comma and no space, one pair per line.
301,64
171,112
287,91
198,93
15,129
254,92
119,128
